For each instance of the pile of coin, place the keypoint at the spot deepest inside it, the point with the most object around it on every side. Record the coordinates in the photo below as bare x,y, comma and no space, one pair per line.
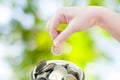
53,71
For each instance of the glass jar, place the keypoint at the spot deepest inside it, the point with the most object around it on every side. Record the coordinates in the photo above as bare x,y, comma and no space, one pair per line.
63,62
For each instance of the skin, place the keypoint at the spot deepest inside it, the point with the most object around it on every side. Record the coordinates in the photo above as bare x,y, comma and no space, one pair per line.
82,18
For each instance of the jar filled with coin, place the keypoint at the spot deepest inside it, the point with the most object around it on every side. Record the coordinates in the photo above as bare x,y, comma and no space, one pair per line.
57,70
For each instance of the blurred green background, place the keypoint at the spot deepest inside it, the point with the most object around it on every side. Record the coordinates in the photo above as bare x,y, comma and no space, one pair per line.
22,32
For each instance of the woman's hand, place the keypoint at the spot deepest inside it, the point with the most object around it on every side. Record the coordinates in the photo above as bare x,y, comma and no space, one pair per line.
82,18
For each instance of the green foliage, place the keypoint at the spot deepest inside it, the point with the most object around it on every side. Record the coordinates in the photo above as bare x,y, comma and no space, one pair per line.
96,2
118,1
61,27
104,32
38,44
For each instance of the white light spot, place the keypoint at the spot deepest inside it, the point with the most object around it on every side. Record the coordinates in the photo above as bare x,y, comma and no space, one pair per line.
5,14
47,8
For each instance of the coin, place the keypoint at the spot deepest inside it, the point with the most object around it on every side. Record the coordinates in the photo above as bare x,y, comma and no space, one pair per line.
59,73
74,73
55,76
56,50
41,65
70,77
42,75
49,67
60,69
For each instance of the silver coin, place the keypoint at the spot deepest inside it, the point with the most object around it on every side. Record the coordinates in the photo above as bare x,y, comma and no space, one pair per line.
58,73
40,66
73,72
60,69
49,67
41,76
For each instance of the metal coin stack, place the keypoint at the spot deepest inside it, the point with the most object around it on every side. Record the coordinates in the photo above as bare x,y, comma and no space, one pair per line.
54,71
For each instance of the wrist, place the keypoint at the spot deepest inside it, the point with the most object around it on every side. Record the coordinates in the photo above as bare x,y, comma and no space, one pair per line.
110,21
97,14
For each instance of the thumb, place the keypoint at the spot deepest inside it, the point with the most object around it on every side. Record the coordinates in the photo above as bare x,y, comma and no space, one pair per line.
63,36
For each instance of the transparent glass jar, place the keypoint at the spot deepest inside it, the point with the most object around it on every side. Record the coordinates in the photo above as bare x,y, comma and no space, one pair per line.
63,62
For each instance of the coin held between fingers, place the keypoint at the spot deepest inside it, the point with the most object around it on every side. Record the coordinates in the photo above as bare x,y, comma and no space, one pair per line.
56,50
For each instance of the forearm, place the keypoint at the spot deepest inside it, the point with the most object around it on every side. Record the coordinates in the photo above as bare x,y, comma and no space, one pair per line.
110,21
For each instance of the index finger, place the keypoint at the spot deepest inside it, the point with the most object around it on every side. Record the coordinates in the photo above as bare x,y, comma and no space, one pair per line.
55,22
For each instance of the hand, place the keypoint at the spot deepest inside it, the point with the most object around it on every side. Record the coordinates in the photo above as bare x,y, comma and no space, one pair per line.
77,18
82,18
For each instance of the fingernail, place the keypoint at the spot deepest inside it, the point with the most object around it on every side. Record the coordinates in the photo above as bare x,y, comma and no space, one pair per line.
56,43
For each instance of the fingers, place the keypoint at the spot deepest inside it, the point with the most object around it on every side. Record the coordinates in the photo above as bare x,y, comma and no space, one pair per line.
55,22
51,30
63,36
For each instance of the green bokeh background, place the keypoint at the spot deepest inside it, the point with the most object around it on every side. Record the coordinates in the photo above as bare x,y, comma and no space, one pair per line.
38,43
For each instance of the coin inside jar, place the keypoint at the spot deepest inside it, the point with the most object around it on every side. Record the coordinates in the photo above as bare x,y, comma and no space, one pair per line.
56,50
70,77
